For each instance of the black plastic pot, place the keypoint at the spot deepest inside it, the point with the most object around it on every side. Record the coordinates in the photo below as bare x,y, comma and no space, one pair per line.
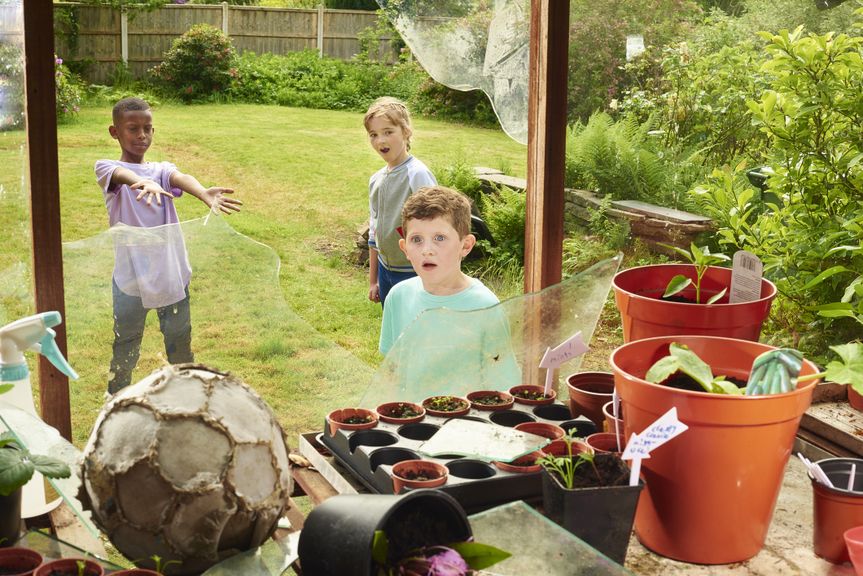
600,516
10,518
337,536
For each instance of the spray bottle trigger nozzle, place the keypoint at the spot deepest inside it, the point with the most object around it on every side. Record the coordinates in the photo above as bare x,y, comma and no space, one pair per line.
48,348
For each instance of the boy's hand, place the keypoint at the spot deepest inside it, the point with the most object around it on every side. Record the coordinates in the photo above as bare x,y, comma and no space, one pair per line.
149,189
215,198
374,293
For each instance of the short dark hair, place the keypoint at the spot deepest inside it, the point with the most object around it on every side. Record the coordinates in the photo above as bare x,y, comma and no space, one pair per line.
132,104
433,202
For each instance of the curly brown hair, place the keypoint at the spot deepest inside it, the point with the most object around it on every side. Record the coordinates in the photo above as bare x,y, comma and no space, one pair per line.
438,202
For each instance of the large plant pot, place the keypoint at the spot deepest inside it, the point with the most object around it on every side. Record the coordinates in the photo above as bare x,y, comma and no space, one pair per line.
10,518
588,392
710,491
836,509
337,536
637,293
19,561
600,516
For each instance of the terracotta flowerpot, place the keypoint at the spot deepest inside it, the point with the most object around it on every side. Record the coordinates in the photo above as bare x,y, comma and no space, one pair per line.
836,509
855,399
558,448
429,405
405,472
477,401
523,464
544,429
854,542
535,391
718,481
637,293
69,567
337,535
136,572
337,419
612,424
606,442
19,561
387,410
588,392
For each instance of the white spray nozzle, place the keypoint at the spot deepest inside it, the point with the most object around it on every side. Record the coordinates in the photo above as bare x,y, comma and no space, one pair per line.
32,333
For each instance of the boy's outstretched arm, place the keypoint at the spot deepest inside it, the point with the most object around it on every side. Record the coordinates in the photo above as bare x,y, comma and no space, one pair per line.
145,187
214,197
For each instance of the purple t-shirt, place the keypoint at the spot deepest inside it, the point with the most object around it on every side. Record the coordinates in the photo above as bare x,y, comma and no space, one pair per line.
150,264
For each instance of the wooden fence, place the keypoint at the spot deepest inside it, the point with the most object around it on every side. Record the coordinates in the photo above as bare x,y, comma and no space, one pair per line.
104,37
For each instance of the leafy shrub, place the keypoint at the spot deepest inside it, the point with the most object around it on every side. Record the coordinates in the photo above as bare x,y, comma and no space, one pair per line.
69,91
460,176
811,118
438,101
504,213
199,64
11,87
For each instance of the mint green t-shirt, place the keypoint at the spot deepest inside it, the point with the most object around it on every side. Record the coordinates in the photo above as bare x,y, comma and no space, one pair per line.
445,341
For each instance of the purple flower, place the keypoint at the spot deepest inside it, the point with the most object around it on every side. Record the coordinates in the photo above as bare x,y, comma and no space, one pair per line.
58,61
435,561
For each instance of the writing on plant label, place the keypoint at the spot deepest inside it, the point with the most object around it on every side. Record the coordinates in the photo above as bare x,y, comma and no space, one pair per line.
657,434
571,348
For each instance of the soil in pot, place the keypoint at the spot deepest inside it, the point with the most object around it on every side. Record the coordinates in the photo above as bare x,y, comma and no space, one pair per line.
682,381
418,474
530,394
400,412
446,405
351,419
490,400
69,567
19,561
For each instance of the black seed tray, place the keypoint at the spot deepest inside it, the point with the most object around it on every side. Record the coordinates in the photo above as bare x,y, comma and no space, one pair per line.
370,454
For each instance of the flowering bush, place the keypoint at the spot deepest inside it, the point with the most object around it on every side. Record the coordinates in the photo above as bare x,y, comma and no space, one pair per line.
68,91
200,63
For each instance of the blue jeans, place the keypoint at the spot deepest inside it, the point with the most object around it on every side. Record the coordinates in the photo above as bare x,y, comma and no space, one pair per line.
175,323
387,279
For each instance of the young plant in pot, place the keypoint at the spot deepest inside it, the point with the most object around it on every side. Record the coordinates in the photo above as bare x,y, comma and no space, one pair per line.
530,394
400,412
736,446
589,495
669,299
17,466
490,400
446,406
18,561
70,567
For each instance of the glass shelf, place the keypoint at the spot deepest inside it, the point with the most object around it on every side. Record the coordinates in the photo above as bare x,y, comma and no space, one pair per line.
51,548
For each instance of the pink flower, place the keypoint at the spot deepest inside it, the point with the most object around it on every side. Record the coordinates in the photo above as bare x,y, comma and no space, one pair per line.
58,61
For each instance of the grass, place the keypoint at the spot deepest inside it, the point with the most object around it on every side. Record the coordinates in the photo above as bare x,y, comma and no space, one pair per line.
304,335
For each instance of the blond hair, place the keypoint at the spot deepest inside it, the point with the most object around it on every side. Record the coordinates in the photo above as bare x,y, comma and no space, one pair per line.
393,110
433,202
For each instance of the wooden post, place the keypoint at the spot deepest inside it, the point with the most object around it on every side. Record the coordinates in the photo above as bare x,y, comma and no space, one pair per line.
546,143
546,154
45,200
321,30
225,30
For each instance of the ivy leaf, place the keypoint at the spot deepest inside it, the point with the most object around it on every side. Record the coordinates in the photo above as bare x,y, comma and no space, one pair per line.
479,556
850,369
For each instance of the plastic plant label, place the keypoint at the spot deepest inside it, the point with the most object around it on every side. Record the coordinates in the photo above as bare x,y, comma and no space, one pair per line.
746,271
655,435
572,347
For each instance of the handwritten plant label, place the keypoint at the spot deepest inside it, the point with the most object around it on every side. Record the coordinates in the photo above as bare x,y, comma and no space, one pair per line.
641,445
572,347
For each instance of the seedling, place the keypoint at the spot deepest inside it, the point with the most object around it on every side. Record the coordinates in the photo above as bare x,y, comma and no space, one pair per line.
565,466
701,258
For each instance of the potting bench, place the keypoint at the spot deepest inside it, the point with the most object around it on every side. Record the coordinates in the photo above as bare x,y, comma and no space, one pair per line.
788,549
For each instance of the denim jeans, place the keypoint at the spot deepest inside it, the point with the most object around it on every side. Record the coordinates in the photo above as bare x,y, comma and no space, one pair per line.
175,322
387,279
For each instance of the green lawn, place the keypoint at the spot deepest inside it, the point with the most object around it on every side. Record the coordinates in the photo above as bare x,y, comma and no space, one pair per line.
304,337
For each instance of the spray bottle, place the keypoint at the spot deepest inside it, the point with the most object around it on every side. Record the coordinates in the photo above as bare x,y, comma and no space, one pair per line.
30,333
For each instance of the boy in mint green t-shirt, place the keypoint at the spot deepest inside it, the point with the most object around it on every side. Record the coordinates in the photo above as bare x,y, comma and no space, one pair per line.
436,229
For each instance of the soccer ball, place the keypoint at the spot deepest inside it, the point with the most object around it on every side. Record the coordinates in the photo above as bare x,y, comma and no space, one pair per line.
189,465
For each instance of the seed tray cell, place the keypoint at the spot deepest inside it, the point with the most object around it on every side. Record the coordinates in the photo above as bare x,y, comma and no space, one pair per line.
370,454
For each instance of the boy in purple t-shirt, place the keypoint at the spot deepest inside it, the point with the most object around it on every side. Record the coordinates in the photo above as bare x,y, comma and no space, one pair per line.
150,271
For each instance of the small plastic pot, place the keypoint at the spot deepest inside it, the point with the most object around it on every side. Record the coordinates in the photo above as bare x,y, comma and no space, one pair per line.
69,566
544,429
836,509
19,561
530,388
504,398
606,442
855,400
610,420
337,535
523,464
427,404
588,392
336,419
401,471
558,448
854,542
385,412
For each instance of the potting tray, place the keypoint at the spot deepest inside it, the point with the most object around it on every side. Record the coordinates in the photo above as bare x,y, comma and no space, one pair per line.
370,454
